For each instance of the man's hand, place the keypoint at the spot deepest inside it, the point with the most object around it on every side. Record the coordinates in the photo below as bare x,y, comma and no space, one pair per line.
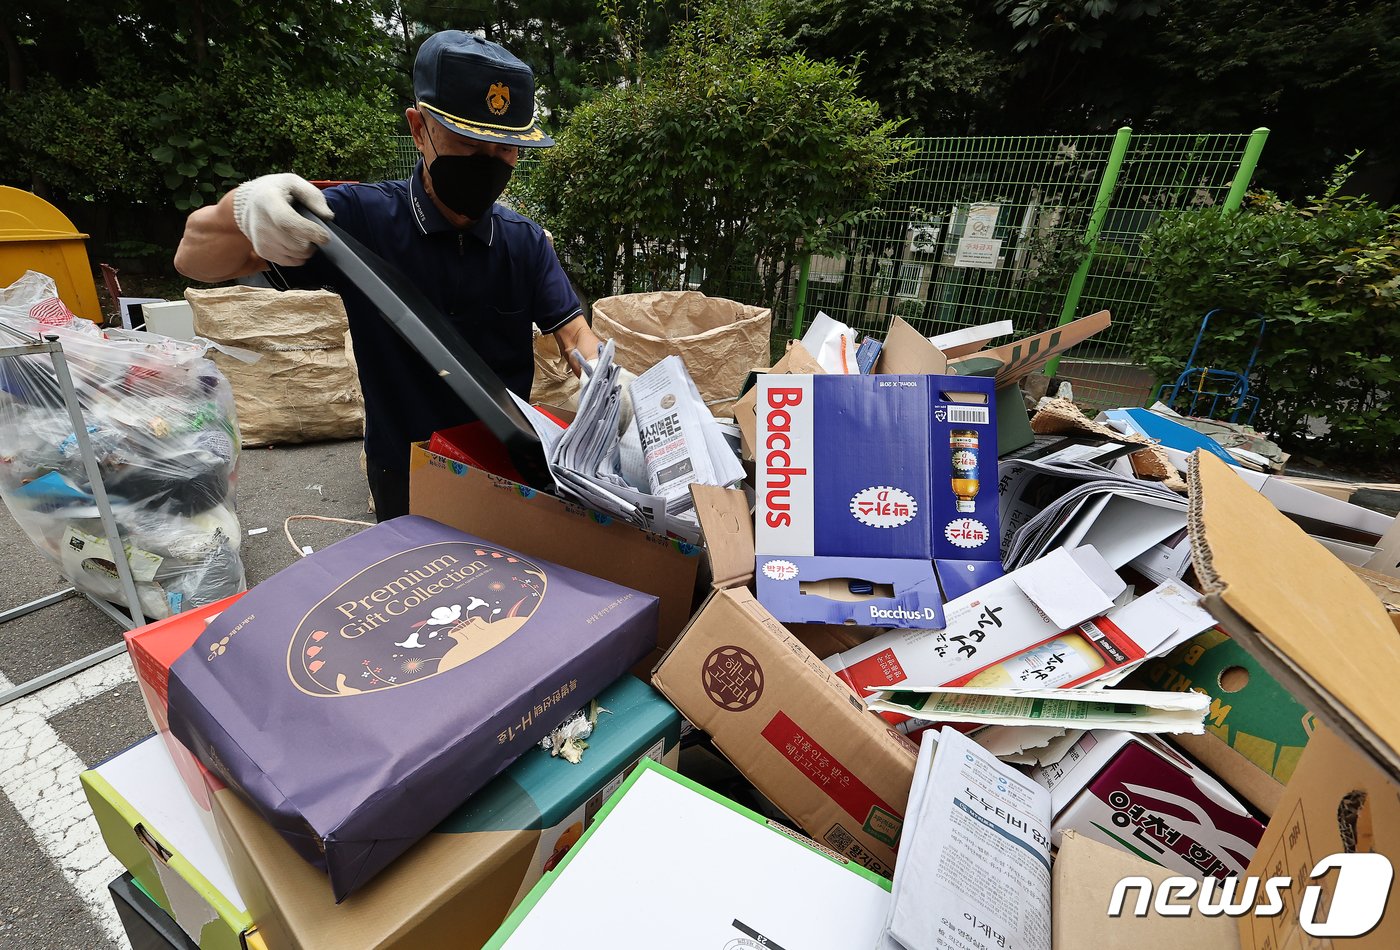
264,211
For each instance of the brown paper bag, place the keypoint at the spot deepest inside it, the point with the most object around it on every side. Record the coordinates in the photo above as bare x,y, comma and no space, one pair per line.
555,384
719,340
304,387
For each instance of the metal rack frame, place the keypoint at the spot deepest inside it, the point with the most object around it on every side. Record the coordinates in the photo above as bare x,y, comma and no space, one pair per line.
28,345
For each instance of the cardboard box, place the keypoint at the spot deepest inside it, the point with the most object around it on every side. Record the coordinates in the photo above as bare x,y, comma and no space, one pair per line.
152,826
457,885
873,592
547,527
1133,792
1082,883
1250,713
876,466
153,649
1325,636
794,730
662,857
1338,802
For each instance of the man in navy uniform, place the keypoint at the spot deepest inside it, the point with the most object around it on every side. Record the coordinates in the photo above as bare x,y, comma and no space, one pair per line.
491,271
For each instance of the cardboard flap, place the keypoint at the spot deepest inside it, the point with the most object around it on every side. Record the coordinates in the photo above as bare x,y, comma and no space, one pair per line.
1306,616
799,360
1086,873
727,527
1029,355
909,352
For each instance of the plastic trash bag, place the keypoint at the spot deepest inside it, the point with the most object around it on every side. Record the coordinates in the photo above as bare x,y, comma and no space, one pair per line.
161,421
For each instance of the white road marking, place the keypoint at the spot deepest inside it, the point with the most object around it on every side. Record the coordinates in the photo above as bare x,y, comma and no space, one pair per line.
39,775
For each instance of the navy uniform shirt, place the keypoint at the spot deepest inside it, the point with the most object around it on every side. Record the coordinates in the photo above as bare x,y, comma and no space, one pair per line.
493,281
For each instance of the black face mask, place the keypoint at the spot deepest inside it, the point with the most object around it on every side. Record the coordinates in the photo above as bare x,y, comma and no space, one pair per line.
469,184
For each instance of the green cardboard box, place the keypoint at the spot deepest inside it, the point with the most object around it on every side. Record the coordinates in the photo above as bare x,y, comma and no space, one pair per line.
454,887
152,826
1249,710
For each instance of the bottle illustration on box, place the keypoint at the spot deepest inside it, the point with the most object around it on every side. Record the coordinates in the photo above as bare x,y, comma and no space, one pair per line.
963,443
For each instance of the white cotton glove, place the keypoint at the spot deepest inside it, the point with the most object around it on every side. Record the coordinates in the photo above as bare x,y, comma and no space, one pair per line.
263,211
625,379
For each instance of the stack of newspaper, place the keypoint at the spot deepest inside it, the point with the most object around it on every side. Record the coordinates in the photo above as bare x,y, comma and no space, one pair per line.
644,475
1068,502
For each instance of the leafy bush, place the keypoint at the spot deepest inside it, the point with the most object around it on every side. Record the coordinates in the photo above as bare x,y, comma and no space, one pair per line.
720,161
189,142
1327,277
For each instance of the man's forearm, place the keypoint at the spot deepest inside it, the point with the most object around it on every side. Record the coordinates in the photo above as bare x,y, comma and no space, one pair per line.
213,249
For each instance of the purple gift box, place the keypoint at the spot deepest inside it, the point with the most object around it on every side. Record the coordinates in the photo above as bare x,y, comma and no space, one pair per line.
359,696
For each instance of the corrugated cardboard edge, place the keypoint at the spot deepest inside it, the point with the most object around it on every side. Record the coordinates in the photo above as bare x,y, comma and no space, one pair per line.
1333,710
727,527
909,352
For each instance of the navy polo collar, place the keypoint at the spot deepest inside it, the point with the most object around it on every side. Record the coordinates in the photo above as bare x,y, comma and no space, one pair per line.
431,221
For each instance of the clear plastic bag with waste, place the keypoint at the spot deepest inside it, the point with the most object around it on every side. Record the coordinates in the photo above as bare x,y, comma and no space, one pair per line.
161,421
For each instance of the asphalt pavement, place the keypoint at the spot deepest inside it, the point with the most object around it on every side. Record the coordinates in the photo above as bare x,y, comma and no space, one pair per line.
54,868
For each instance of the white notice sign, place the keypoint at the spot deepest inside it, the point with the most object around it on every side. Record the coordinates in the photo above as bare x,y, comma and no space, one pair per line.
978,252
982,220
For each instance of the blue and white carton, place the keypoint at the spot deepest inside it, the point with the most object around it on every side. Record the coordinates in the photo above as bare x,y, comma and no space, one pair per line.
877,467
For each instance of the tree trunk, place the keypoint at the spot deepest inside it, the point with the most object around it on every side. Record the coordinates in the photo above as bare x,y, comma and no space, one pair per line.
199,38
16,70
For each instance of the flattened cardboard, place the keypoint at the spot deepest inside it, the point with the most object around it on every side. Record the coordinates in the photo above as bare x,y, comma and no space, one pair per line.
1030,355
1249,711
1316,627
1135,793
792,728
1084,877
543,526
727,526
909,352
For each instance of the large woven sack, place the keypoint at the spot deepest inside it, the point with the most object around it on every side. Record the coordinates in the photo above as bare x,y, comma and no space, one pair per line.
304,387
719,340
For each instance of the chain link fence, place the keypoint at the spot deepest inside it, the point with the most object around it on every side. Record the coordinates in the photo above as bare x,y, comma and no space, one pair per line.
1032,229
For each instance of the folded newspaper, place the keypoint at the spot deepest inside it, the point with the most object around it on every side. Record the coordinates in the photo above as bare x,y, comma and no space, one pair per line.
642,476
974,864
1134,710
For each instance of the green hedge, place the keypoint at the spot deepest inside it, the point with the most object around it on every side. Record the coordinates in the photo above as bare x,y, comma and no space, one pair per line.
1327,277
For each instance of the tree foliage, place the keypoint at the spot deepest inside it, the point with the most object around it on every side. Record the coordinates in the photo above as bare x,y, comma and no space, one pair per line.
925,61
727,152
1327,278
1313,72
147,102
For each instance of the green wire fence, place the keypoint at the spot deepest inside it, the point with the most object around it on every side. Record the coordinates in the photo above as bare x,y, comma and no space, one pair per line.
1032,229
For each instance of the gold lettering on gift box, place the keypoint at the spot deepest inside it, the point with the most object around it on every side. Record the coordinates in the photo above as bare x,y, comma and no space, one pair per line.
412,616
